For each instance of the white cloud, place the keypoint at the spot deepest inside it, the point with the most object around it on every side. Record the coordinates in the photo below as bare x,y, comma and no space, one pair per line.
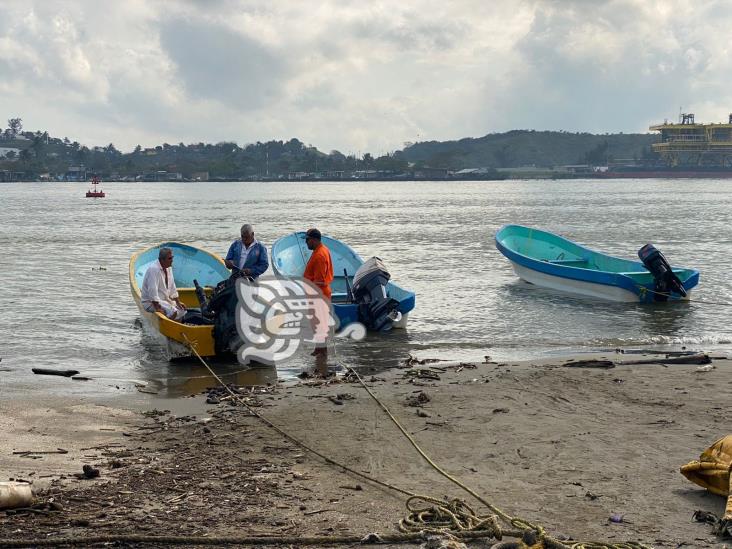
357,75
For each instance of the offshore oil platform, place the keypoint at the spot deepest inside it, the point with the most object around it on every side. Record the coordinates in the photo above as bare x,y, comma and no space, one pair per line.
687,144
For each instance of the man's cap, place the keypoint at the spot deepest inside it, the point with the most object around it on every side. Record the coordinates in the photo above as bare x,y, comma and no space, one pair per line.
313,233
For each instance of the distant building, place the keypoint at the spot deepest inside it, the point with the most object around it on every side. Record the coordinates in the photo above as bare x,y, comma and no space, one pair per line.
75,173
687,143
199,176
5,151
431,173
162,175
7,176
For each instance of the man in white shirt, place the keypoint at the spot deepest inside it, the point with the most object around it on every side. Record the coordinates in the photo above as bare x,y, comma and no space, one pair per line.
159,293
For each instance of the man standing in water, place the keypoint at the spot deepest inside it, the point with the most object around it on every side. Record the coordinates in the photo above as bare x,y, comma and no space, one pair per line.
319,271
159,293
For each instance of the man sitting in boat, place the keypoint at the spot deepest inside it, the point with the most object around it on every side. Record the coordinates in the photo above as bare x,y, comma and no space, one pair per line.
247,254
159,293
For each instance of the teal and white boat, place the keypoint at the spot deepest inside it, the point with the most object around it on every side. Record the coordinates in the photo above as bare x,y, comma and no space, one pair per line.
371,298
550,261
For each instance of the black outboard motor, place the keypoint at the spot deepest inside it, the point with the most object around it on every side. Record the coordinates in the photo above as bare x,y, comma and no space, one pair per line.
202,300
376,310
666,280
221,310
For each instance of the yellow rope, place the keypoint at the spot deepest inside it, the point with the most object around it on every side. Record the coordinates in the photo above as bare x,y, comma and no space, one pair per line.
441,517
516,522
462,513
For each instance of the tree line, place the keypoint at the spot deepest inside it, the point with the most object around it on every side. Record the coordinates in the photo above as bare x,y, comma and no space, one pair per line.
39,153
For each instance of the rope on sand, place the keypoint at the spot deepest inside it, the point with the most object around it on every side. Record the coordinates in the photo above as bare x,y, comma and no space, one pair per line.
453,518
425,518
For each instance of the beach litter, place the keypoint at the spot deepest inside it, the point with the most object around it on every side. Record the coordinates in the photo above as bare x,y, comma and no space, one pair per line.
49,372
712,471
420,399
88,472
589,364
15,494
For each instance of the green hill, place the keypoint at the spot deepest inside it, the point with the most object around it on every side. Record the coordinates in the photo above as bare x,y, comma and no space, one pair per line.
531,148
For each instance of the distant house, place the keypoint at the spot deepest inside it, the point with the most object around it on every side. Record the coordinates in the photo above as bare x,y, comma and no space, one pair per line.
75,173
578,168
473,171
7,176
364,174
199,176
162,175
426,172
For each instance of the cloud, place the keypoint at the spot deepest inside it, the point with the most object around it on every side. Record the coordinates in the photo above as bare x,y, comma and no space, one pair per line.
217,63
611,66
358,76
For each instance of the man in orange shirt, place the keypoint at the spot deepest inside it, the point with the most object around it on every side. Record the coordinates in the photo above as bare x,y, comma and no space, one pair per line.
319,271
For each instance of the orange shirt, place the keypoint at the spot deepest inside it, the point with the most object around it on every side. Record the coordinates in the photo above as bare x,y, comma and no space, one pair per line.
319,269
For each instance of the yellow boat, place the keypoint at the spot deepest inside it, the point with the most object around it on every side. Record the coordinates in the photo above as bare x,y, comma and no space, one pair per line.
190,263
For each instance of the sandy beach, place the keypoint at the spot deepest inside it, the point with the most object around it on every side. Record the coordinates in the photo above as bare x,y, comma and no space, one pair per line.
563,447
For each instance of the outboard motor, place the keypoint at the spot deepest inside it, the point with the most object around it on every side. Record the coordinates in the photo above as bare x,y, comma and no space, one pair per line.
202,300
376,310
220,311
666,280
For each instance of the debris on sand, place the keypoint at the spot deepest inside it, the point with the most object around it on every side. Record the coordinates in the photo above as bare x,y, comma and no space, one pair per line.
607,364
420,399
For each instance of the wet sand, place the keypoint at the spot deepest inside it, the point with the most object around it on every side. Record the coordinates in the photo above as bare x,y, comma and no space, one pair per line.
563,447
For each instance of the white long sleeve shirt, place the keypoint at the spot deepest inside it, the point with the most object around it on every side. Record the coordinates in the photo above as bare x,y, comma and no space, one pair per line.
154,287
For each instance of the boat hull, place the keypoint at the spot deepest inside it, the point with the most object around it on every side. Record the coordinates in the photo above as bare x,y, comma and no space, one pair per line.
190,263
576,287
550,261
290,255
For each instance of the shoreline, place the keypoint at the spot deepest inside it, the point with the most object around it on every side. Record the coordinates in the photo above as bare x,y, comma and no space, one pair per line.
565,447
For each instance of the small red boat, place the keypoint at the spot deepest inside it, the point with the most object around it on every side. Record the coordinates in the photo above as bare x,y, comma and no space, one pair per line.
95,193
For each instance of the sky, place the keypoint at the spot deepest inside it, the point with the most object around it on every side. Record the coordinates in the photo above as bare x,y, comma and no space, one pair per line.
358,76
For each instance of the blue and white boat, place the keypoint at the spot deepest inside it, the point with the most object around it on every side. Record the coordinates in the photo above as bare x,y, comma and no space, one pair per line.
368,297
550,261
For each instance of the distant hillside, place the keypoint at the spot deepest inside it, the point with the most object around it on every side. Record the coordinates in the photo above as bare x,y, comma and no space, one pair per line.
531,148
33,155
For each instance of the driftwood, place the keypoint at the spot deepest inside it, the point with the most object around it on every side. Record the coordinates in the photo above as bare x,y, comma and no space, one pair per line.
47,372
38,452
590,364
701,358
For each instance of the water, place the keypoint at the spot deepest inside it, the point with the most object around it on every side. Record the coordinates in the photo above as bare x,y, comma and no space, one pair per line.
66,301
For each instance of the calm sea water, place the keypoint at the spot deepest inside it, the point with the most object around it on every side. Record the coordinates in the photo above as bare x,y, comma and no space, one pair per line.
65,300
